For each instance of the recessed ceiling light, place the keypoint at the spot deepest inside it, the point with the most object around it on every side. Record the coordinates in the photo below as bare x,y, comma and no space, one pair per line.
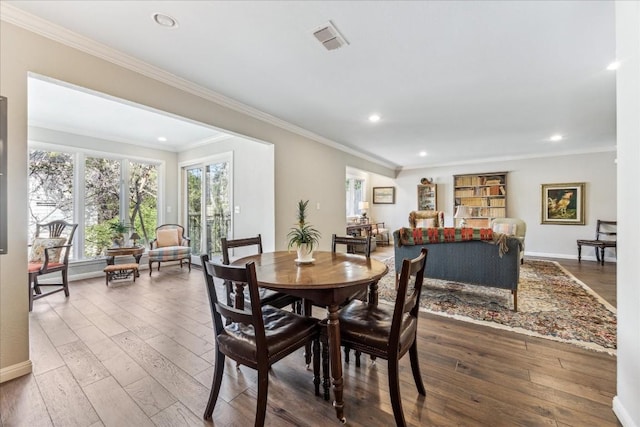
423,154
165,20
613,66
374,118
556,138
162,139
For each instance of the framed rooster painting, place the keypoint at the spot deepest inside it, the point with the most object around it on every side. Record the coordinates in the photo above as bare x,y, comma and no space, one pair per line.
563,203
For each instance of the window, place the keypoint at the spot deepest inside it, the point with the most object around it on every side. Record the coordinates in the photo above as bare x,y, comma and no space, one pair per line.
355,193
89,190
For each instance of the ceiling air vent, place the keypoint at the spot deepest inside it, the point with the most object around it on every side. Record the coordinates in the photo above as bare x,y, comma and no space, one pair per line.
330,37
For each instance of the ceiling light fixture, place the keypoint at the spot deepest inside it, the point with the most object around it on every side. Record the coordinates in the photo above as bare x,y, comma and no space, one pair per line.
556,138
162,139
165,20
423,154
374,118
613,66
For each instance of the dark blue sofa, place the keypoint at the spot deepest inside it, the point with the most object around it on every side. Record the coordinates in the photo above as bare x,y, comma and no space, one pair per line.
474,262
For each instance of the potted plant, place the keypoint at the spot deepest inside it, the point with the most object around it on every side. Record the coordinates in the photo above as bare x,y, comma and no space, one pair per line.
304,237
118,228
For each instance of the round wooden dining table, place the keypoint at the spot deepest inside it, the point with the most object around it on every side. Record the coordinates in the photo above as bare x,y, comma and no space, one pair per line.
330,280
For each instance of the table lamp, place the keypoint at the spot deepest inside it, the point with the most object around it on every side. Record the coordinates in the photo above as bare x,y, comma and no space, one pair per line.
135,237
462,213
363,206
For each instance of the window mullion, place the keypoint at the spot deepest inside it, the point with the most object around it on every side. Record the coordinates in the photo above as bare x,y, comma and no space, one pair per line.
79,204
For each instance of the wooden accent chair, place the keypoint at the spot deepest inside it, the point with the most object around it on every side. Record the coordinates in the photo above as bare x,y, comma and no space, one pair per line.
256,338
50,251
599,244
380,233
389,333
363,243
170,244
267,296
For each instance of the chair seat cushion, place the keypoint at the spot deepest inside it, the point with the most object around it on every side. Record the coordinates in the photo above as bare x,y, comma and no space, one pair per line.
283,331
34,267
371,326
169,253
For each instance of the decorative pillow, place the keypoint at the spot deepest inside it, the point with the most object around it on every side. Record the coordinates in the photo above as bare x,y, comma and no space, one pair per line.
169,237
425,223
39,246
509,229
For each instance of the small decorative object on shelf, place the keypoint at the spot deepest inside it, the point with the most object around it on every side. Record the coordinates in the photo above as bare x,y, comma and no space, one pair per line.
304,237
425,181
484,194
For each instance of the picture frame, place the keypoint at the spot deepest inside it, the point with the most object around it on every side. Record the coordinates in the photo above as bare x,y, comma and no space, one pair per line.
563,204
384,195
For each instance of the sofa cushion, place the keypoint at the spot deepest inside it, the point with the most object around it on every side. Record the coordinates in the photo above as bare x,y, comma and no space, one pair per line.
425,223
168,237
505,228
170,253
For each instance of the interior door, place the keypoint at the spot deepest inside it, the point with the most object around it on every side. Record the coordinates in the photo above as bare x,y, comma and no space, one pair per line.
208,200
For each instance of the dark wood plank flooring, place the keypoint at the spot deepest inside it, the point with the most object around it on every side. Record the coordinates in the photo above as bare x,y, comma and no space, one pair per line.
142,354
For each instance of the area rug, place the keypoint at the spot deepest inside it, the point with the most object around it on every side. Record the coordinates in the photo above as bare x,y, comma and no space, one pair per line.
552,304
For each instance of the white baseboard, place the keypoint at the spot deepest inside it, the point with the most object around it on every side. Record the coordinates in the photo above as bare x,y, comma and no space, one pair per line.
15,371
565,256
622,414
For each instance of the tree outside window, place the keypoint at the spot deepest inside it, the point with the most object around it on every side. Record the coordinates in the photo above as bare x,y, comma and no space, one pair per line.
101,193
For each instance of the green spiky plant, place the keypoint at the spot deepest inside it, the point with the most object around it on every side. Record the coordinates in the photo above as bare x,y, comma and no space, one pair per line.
304,233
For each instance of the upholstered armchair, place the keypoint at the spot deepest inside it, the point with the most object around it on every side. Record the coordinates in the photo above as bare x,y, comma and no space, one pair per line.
425,219
170,244
512,227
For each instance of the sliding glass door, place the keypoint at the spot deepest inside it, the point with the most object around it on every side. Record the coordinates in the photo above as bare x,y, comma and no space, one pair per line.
208,205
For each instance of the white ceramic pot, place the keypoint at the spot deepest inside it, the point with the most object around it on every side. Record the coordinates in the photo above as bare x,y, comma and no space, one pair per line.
305,254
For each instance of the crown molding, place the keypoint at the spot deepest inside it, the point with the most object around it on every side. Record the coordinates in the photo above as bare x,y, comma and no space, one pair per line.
512,158
18,17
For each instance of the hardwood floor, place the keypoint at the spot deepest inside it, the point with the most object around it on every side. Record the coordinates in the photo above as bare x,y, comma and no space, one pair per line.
142,354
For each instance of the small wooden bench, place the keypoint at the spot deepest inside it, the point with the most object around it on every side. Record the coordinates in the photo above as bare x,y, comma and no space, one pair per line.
120,271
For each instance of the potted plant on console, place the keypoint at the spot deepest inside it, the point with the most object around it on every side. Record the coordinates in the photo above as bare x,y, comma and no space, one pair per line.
304,237
118,228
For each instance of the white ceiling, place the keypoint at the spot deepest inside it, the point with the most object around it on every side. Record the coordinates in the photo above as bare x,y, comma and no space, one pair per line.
462,80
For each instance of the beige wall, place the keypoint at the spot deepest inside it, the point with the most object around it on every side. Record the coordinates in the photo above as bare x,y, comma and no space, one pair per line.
303,168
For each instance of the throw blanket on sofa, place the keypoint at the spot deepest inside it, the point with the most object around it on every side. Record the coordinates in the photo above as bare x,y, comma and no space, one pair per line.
419,236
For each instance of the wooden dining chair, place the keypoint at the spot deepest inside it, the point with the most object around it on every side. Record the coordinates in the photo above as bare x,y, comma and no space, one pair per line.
237,297
50,252
389,333
353,244
257,337
606,235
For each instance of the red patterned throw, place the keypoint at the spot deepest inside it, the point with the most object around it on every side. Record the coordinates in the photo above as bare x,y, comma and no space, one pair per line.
419,236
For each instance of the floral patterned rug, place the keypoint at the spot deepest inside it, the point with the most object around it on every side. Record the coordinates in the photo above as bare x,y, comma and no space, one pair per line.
552,304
